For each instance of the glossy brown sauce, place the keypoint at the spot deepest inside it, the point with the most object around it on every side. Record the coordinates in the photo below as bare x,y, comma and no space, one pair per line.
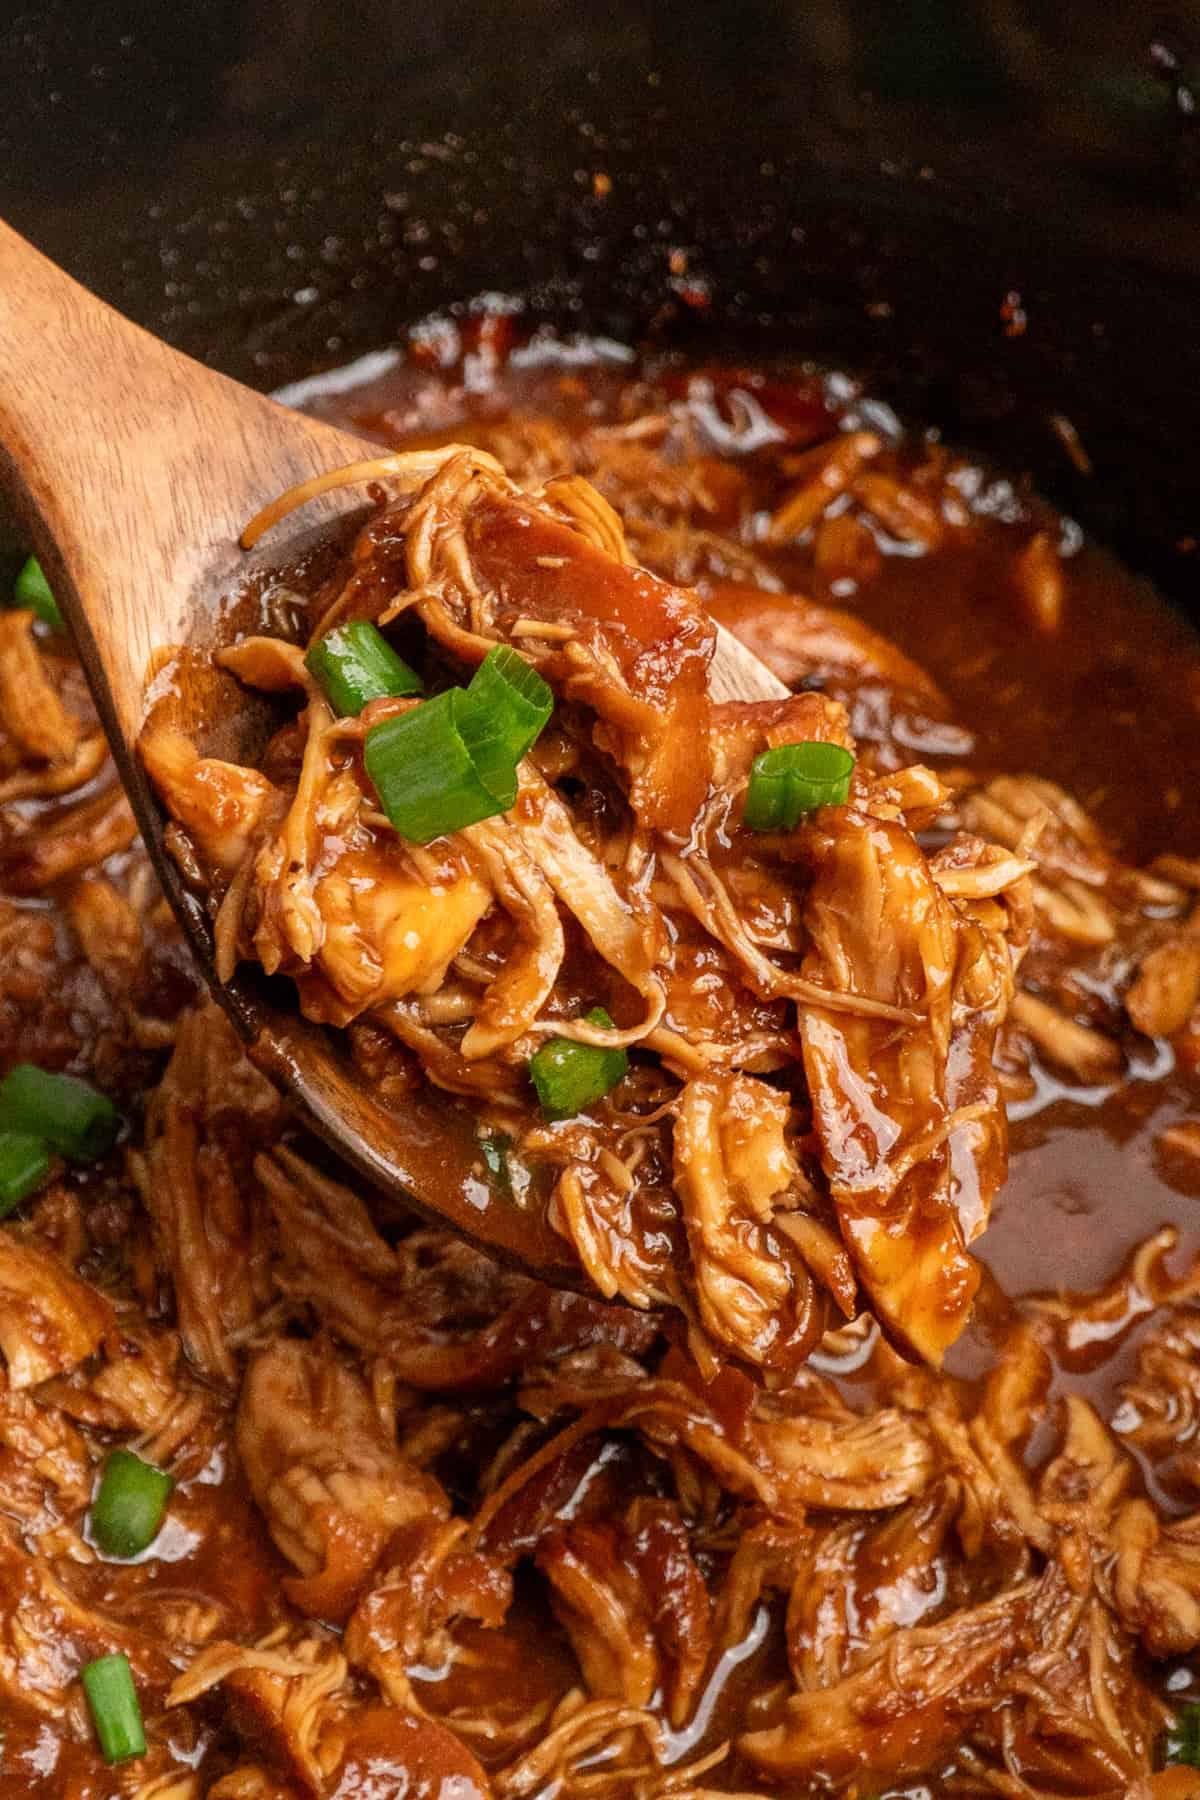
1109,707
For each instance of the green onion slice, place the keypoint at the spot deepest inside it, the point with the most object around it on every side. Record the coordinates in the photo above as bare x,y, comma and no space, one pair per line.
33,590
24,1166
794,779
510,708
355,663
1182,1741
570,1077
112,1698
453,761
68,1114
425,773
127,1512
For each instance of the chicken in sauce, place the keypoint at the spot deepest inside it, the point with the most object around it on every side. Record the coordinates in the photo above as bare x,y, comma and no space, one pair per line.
854,1468
813,1120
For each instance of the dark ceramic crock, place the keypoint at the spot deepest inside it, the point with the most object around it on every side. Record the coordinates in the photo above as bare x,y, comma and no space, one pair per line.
992,209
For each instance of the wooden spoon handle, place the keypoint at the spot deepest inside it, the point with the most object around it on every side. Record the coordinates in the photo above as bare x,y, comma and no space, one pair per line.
132,467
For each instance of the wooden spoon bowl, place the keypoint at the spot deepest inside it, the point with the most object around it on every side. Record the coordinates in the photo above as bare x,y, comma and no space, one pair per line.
134,470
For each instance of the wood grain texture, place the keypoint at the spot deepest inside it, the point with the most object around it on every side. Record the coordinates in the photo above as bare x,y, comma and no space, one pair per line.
735,673
134,469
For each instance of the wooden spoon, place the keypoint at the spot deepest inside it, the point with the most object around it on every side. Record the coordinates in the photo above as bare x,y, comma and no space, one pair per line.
134,469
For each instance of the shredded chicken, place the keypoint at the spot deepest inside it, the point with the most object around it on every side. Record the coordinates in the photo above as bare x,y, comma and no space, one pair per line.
436,1529
740,1186
221,804
634,1605
30,705
1166,991
47,1636
332,1486
802,641
461,948
50,1321
910,1120
193,1177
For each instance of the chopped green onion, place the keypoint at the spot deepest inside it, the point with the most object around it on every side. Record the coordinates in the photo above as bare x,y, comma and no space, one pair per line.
453,761
24,1166
1182,1741
510,707
425,774
70,1115
793,779
112,1698
33,590
355,663
570,1077
127,1512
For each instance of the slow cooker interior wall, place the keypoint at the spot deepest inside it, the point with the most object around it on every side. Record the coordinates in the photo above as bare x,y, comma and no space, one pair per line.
275,193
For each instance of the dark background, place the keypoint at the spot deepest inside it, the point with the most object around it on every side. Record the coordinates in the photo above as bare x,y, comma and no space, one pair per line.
995,208
226,157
